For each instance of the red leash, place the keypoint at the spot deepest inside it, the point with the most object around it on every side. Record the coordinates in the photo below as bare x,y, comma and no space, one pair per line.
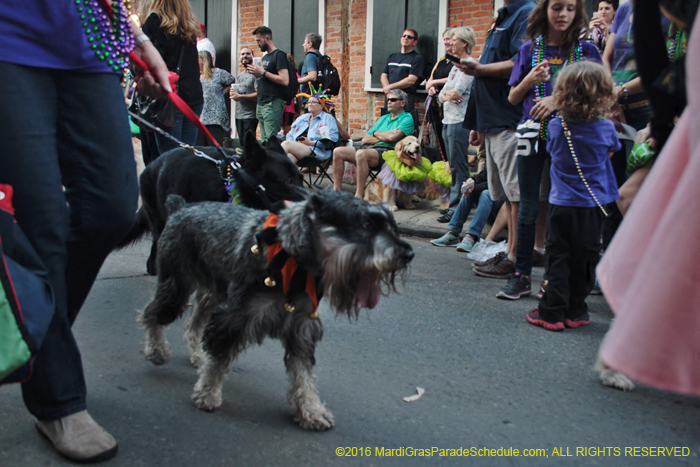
177,100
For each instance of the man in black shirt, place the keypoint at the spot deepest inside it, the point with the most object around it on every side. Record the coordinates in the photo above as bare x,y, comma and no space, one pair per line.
404,70
272,77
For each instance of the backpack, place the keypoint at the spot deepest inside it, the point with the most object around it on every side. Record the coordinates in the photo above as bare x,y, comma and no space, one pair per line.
292,88
328,78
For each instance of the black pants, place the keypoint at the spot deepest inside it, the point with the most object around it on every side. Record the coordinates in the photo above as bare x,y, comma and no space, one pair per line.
217,131
246,124
572,250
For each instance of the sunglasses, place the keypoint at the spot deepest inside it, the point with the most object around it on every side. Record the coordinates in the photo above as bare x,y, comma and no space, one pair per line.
408,36
393,99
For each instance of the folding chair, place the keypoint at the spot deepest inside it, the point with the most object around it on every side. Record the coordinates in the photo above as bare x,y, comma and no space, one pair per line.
323,167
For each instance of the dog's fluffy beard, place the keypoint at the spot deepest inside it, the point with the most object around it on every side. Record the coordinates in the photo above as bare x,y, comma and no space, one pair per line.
351,245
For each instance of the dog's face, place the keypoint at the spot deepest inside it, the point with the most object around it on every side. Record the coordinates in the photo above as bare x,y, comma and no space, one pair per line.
408,151
356,243
271,168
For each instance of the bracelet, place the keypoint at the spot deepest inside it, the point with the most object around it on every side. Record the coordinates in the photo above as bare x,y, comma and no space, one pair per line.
625,93
263,75
141,39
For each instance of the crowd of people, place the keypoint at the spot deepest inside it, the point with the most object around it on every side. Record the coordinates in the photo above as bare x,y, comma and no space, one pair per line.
548,102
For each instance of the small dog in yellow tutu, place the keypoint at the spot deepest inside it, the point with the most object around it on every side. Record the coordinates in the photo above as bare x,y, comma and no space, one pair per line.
403,176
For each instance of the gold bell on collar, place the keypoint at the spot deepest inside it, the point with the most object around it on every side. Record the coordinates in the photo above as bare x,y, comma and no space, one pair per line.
255,249
290,307
270,282
314,315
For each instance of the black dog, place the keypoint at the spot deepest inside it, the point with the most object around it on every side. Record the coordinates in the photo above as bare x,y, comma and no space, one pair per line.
196,179
260,275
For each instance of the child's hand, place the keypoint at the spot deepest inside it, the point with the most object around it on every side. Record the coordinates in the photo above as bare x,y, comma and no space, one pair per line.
538,74
542,108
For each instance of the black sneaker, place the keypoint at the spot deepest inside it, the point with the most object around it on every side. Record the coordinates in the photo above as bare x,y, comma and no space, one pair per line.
516,287
583,320
445,218
444,211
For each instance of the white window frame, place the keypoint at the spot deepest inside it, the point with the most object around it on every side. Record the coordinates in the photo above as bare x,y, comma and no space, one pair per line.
442,24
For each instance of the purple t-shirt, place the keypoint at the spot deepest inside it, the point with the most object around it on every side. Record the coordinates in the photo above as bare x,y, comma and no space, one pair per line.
46,34
557,60
592,142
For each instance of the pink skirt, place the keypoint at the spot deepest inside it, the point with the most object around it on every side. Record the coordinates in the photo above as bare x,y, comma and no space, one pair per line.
650,273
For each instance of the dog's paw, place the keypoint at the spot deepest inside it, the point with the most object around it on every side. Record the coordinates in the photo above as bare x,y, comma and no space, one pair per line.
612,378
158,354
207,400
393,208
321,419
196,359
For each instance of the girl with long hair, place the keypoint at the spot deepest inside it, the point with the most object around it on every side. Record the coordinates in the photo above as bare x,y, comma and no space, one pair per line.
553,42
172,27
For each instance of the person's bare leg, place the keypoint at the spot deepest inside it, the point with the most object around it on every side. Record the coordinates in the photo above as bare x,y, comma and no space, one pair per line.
499,224
364,158
341,155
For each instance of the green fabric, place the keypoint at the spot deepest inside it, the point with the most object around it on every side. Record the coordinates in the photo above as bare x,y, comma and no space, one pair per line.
404,172
641,154
439,175
14,352
404,122
270,118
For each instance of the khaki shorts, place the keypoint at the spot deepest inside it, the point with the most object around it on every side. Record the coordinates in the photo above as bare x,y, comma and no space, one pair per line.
502,166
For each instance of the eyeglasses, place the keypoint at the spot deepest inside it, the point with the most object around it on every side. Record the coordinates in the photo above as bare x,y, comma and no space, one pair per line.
408,36
393,99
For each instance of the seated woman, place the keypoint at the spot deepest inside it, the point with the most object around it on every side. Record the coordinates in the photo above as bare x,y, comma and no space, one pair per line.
314,133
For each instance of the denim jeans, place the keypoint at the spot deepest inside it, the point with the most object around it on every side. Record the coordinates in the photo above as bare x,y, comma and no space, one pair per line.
485,207
66,129
184,130
529,180
457,141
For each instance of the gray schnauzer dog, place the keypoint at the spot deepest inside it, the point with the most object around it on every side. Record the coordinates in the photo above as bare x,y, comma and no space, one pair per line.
259,273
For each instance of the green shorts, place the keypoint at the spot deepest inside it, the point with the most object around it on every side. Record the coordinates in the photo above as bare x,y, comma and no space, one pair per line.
270,118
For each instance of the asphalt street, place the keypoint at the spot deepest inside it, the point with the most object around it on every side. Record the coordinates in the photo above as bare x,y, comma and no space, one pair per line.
492,382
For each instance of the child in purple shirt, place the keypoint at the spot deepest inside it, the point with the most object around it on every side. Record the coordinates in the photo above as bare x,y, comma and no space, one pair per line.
580,142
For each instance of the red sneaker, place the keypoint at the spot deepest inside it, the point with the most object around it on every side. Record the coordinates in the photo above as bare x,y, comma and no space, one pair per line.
533,317
583,320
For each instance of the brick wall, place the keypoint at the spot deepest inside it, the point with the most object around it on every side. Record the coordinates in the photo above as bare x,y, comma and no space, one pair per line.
344,39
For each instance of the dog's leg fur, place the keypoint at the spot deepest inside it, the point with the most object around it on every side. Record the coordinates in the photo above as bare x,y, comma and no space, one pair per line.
204,305
612,378
389,197
169,304
212,373
306,406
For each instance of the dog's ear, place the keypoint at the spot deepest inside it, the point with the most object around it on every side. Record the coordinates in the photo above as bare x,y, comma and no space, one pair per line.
254,155
273,144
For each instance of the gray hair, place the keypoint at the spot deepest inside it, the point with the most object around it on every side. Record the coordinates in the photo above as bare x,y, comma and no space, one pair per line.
467,35
449,30
398,93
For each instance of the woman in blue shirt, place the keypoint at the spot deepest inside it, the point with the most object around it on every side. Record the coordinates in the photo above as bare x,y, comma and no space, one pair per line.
313,134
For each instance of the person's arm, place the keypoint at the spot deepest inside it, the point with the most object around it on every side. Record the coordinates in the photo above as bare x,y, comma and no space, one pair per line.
311,63
391,136
492,70
282,76
311,76
431,84
537,75
608,52
407,82
633,86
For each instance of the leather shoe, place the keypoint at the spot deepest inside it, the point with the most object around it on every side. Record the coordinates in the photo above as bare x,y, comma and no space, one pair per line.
445,218
79,438
494,259
500,270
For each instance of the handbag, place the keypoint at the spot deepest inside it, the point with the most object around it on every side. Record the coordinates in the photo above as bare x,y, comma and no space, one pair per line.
26,298
528,133
160,113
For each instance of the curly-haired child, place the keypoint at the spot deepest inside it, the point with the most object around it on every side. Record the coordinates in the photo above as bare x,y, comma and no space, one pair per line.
580,141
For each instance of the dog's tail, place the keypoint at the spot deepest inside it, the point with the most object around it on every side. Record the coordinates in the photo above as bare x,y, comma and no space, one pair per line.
174,203
140,228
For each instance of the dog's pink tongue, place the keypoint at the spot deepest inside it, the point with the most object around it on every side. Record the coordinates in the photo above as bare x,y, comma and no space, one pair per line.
367,293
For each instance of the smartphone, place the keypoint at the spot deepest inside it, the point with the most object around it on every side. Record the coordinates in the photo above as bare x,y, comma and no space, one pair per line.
452,58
